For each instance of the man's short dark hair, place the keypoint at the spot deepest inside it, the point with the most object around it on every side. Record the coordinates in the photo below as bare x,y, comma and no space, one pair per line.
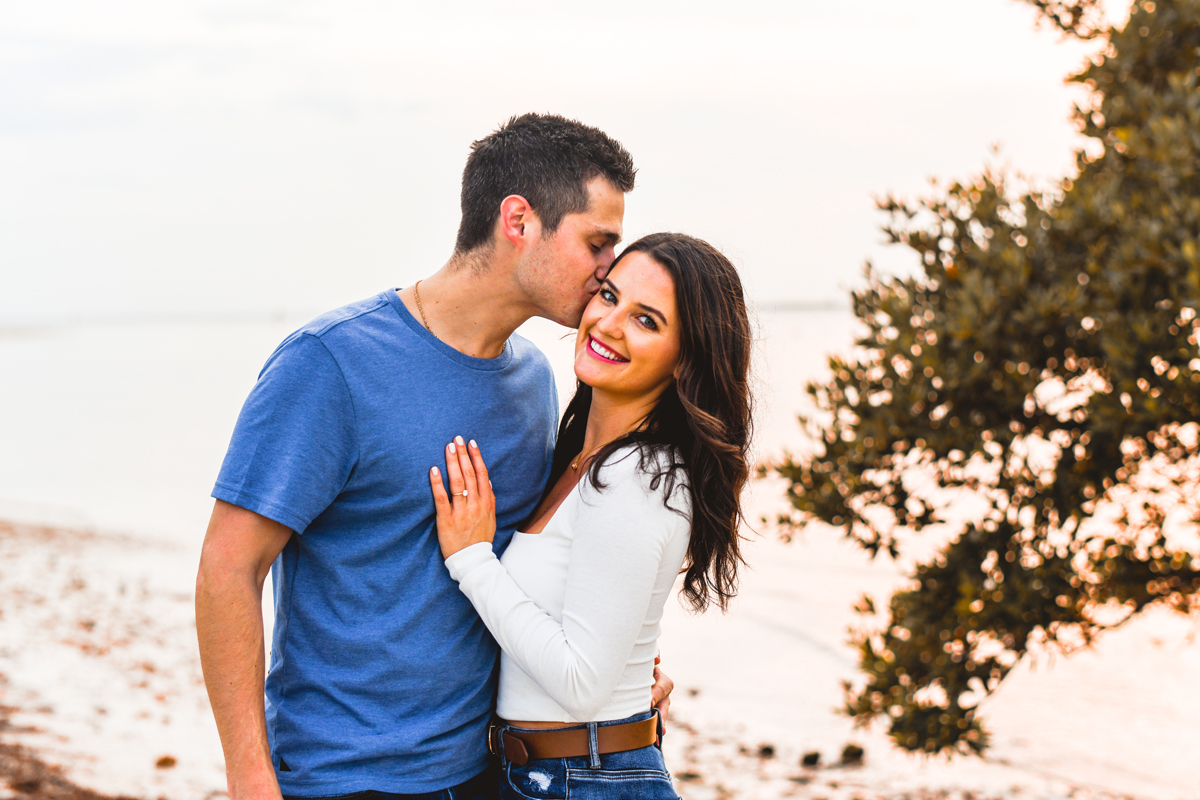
545,158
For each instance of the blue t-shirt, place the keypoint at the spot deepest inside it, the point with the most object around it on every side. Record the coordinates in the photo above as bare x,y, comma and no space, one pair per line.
382,676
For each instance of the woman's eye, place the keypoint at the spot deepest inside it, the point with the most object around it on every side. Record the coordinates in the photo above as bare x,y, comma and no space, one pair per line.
607,296
648,321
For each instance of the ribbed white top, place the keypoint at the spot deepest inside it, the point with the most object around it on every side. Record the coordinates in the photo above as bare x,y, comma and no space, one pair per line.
576,608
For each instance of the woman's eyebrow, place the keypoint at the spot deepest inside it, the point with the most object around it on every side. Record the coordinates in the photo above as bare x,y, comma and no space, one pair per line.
655,312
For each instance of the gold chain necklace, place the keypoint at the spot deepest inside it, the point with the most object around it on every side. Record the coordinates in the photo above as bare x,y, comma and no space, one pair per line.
421,308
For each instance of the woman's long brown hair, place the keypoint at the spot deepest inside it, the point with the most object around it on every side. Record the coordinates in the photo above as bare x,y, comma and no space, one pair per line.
702,421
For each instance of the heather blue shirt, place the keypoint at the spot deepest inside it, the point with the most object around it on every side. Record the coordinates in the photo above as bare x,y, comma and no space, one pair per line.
382,676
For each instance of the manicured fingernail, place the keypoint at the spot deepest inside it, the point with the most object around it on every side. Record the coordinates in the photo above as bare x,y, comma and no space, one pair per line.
458,440
434,472
450,447
474,445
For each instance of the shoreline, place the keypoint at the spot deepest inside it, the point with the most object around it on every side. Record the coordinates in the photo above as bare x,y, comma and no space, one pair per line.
103,698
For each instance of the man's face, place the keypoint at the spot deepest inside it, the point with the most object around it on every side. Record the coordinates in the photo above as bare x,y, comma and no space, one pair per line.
562,271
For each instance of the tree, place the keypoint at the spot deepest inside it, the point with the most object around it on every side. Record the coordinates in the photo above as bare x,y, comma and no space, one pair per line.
1032,394
1081,18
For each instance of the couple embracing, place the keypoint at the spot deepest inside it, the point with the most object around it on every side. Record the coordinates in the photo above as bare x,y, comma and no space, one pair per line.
400,470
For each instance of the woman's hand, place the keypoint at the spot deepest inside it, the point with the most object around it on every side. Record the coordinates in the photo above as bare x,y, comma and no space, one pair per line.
468,515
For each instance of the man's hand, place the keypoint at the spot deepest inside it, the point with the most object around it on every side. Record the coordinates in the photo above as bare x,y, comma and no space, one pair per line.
237,555
660,693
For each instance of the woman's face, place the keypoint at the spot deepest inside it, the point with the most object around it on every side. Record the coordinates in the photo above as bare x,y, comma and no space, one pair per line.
628,342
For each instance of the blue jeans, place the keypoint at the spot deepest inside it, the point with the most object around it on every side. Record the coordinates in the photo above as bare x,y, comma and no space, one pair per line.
630,775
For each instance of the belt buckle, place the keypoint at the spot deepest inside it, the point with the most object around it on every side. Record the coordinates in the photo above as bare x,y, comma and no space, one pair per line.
491,737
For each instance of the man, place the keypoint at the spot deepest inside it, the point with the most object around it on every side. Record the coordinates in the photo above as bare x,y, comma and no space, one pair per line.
382,676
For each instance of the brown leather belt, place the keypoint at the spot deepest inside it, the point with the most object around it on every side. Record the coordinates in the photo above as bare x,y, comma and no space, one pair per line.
520,746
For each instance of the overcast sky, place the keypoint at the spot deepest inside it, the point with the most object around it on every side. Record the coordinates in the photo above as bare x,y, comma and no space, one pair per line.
270,156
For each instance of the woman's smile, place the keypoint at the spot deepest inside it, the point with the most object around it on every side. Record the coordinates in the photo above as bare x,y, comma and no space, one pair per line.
604,353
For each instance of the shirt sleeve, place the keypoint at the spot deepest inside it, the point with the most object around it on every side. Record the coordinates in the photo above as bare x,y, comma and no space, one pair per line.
620,536
295,443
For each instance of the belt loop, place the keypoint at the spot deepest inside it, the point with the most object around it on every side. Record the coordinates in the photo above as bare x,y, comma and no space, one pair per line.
500,744
658,728
593,747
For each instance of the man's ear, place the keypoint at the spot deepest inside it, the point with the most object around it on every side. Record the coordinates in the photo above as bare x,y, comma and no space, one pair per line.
519,223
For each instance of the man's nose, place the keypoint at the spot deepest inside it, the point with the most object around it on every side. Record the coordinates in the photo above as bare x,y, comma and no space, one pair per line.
607,256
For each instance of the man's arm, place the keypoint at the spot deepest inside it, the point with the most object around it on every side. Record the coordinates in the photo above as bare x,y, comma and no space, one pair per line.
237,555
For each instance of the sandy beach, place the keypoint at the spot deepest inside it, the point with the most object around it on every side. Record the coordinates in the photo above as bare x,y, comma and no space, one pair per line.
103,694
102,676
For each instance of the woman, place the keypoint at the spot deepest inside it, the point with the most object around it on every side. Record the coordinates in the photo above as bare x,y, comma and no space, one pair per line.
647,474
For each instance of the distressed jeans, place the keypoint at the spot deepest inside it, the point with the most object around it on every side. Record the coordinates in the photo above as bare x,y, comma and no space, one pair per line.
630,775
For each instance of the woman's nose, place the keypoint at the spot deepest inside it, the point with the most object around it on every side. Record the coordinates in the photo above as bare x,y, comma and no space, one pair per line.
609,324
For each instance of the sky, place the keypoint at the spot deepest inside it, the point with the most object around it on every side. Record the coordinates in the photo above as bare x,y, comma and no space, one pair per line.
268,158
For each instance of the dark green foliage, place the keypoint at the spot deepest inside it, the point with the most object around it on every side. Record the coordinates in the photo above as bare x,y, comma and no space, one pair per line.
1045,364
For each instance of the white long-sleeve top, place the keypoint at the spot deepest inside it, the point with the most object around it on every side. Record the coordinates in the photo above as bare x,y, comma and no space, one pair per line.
576,608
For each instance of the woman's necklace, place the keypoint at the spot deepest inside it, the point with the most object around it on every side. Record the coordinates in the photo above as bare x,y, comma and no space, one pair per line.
579,459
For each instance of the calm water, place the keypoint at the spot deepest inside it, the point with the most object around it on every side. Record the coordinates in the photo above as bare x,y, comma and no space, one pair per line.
123,426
